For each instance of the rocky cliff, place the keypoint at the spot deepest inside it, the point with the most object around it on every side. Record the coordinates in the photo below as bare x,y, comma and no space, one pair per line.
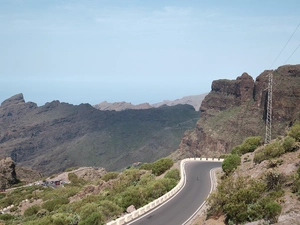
7,173
236,109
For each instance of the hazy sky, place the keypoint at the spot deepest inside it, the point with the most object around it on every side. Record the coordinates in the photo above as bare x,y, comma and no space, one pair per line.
138,51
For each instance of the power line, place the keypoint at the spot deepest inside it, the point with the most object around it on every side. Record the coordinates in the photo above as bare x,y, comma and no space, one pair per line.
285,46
292,53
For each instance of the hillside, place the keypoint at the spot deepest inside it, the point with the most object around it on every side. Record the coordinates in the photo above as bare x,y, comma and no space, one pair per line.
87,195
236,109
56,136
261,186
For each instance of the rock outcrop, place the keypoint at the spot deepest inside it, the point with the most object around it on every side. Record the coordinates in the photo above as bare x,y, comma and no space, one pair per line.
7,173
236,109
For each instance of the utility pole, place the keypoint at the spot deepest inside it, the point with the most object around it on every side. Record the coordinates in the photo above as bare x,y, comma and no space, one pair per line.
268,136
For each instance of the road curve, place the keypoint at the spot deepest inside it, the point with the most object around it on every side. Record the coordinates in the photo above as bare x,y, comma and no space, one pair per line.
183,205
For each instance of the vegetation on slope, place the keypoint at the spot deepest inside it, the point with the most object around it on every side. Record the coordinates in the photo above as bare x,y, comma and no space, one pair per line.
242,197
133,186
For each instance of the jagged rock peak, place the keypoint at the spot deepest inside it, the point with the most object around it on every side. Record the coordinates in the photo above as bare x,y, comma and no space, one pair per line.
244,76
16,99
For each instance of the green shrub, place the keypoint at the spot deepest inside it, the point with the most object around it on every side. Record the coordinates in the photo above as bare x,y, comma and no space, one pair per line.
244,200
6,217
53,204
237,198
288,144
295,131
161,165
61,219
32,210
173,174
230,163
131,196
249,145
109,209
146,166
272,210
109,176
270,151
146,178
95,218
2,195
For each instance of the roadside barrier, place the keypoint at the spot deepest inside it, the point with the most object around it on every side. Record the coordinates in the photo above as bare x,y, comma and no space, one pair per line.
139,212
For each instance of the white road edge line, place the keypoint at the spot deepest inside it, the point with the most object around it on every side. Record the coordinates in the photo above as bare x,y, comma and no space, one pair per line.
211,189
162,203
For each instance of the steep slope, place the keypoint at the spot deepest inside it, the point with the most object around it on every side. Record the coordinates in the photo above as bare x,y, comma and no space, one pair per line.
236,109
58,135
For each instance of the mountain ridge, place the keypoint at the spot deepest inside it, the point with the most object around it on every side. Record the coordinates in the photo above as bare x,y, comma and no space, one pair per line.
193,100
55,136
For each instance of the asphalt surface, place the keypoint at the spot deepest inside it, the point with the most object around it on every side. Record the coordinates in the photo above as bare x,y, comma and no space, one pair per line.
180,208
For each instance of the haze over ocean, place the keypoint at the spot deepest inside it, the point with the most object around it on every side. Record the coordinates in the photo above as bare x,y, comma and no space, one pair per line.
139,51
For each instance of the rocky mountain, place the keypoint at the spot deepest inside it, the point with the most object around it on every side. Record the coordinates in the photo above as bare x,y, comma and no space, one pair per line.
193,100
119,106
236,109
56,136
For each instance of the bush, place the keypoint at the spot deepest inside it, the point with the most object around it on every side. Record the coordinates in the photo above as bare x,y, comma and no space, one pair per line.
295,131
230,163
95,218
173,174
161,165
131,196
146,166
270,151
146,178
249,145
237,198
272,209
109,209
288,144
244,200
61,219
109,176
6,217
274,180
53,204
32,210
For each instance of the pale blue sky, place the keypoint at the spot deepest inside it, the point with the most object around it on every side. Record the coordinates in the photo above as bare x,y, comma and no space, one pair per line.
138,51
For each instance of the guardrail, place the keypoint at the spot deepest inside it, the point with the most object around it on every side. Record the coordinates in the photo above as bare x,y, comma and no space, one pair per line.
139,212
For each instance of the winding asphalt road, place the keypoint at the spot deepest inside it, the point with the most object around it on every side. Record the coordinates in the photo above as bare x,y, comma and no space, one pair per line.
181,207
